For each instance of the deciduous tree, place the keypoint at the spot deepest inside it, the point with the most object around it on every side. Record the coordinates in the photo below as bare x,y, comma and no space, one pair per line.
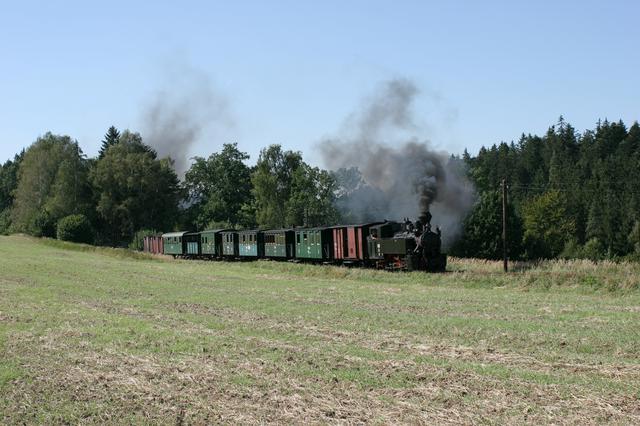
547,226
219,186
52,183
312,199
272,181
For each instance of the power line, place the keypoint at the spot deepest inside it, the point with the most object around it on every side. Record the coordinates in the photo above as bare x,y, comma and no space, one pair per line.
567,188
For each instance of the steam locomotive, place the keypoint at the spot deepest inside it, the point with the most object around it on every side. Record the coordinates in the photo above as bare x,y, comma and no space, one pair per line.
386,245
407,245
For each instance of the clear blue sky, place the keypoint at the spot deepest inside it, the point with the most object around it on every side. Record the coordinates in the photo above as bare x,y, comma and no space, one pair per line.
293,70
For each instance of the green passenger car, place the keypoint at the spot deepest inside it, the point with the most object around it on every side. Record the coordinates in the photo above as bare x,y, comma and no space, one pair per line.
279,243
251,243
174,244
230,243
211,242
314,244
192,240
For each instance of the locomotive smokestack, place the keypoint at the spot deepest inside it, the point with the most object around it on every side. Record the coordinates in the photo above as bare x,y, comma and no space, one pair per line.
425,217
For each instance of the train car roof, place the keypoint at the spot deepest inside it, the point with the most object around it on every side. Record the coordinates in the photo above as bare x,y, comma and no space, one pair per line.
356,225
278,230
384,222
209,231
370,223
175,234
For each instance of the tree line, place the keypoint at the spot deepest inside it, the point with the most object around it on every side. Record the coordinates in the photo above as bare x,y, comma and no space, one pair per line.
570,194
52,189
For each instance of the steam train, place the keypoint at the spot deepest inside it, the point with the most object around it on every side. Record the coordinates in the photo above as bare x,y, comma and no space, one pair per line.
386,245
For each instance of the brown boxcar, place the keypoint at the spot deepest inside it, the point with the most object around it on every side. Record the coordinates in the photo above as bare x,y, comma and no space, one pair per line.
350,242
153,244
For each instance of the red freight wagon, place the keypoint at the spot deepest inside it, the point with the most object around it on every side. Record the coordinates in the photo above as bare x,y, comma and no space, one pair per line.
350,242
153,244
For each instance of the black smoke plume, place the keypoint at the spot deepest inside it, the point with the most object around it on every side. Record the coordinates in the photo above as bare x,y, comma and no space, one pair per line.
176,115
401,176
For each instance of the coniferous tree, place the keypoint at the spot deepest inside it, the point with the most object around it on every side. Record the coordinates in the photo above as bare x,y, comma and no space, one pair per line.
110,138
596,174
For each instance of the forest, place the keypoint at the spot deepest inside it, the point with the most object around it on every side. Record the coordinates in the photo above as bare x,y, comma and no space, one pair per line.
570,194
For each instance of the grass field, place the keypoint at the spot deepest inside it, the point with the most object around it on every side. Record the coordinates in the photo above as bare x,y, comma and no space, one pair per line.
101,336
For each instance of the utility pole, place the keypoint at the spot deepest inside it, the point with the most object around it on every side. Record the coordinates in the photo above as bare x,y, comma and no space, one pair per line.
75,178
504,224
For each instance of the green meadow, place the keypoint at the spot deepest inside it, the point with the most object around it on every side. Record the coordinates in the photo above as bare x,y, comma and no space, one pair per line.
106,336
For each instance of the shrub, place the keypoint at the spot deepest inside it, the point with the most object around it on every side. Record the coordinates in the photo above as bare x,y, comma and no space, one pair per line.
76,228
594,250
44,225
138,239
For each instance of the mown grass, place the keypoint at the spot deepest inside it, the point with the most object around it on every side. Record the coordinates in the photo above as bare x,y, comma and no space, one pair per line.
98,335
